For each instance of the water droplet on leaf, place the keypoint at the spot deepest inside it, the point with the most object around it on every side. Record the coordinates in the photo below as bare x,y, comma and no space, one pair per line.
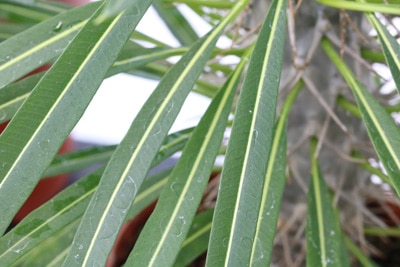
58,26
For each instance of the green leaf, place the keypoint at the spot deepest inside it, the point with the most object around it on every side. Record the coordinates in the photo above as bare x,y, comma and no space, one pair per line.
273,188
325,246
32,48
72,202
181,196
41,224
29,143
196,241
7,29
114,7
382,130
27,13
359,254
176,22
235,217
132,56
366,7
79,160
51,251
131,161
14,95
391,48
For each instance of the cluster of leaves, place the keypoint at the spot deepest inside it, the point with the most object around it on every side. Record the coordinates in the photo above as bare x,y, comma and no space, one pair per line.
79,226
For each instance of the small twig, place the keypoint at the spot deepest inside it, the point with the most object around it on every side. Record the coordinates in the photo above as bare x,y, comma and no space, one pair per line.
297,6
355,27
343,155
334,39
312,88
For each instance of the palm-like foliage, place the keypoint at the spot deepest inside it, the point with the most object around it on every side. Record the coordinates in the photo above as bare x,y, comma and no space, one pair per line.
296,164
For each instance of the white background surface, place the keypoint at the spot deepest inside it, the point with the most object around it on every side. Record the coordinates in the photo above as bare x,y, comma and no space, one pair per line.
120,97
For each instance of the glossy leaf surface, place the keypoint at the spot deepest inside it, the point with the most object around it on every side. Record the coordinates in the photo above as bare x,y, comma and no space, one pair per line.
242,181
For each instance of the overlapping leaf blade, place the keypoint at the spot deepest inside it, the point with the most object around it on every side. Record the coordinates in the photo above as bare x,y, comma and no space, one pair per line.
176,22
65,209
62,210
181,196
366,7
131,161
32,48
391,48
273,189
196,241
382,130
70,204
325,245
42,124
238,203
132,56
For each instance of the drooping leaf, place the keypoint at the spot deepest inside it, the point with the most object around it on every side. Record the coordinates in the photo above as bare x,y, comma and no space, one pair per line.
325,245
235,217
391,48
32,48
382,130
181,196
273,188
29,143
131,161
132,56
72,202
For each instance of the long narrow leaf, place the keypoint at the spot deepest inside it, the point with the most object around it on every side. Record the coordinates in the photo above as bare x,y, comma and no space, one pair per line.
52,250
71,203
382,130
176,22
64,209
132,56
13,96
131,161
325,244
366,7
391,48
196,241
273,188
238,203
181,196
29,143
32,48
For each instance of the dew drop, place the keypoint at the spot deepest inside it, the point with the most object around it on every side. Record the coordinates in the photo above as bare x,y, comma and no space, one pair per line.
251,215
44,144
175,187
180,224
3,115
246,242
58,26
